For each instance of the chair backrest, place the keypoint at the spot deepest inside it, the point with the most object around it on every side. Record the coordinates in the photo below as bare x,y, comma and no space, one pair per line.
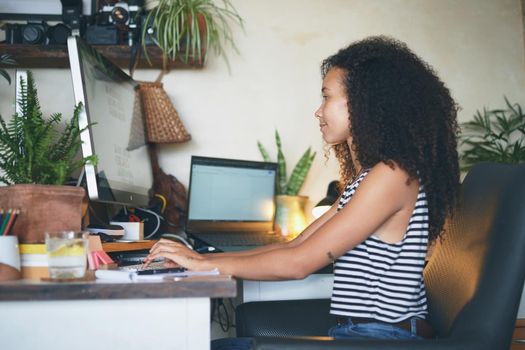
475,276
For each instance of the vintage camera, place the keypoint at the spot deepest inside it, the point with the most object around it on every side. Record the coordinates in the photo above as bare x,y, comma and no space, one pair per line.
117,24
121,13
36,33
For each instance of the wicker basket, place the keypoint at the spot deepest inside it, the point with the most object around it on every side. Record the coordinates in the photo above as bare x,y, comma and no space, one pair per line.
163,124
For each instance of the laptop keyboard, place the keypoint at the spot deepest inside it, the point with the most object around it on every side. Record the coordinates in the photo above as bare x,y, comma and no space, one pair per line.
226,239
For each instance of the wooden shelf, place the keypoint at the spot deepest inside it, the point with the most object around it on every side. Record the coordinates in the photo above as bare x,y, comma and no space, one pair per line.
55,56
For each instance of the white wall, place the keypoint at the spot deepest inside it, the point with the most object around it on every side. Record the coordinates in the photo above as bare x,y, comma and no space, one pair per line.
476,46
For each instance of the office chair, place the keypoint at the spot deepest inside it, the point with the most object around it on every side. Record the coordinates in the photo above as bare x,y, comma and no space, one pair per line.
474,279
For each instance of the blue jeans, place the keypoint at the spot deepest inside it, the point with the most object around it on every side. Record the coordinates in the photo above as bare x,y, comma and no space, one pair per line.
232,344
373,330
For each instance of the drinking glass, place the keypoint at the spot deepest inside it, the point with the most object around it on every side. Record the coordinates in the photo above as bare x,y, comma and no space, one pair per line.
67,254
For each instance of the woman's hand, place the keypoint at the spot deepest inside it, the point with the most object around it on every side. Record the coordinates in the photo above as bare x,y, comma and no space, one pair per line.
176,254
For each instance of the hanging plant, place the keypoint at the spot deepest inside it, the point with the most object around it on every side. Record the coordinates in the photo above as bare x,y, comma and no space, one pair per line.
189,29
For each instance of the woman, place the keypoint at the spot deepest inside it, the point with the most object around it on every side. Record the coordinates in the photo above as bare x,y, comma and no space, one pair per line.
392,125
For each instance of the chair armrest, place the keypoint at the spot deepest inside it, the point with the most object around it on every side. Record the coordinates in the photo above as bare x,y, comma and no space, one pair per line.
284,318
326,343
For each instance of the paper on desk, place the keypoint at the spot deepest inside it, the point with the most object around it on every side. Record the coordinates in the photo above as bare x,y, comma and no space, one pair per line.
122,275
162,276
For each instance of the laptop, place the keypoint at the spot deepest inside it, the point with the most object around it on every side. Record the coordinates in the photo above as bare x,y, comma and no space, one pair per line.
231,203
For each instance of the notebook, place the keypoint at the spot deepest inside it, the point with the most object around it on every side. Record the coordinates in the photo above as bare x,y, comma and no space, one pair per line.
231,203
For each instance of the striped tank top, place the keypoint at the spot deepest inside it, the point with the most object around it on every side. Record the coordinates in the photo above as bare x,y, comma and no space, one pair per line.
380,280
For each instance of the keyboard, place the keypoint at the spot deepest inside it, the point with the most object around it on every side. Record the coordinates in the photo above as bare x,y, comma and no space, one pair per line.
228,239
140,267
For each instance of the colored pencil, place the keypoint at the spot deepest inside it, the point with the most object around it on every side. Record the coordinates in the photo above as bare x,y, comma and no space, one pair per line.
6,219
11,222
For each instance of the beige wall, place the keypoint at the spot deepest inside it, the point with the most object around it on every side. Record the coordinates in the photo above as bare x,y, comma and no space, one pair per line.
476,46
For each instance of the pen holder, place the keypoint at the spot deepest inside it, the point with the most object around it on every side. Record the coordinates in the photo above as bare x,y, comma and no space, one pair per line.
9,258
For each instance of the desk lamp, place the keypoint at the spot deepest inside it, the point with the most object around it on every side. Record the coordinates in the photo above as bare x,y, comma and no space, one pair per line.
163,125
331,196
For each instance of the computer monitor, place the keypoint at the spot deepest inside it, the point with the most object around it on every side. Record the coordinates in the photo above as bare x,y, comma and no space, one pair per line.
111,117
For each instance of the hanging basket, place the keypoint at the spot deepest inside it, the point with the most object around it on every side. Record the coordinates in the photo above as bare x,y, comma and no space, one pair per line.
163,124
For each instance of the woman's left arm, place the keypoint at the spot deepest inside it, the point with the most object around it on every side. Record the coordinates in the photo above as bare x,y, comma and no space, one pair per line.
383,193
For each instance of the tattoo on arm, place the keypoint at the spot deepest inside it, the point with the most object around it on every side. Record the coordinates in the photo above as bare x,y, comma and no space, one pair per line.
330,256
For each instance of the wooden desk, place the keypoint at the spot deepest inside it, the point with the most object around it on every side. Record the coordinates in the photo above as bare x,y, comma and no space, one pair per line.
518,338
110,315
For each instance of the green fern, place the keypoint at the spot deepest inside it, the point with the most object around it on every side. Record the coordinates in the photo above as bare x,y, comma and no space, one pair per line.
32,149
494,135
294,184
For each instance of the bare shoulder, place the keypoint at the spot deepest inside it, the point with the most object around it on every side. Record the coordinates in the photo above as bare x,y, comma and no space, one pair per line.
392,181
393,174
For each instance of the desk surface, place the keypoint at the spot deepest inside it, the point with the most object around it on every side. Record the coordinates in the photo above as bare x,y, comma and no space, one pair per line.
192,287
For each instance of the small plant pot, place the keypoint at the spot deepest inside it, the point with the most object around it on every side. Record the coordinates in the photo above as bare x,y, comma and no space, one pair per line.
290,218
43,208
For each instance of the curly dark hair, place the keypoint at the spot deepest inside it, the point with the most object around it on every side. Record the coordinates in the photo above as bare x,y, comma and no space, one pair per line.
400,113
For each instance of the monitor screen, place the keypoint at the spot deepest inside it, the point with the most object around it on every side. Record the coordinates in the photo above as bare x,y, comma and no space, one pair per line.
231,192
114,128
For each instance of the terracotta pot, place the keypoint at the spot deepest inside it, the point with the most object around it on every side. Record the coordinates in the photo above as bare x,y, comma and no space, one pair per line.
43,208
289,214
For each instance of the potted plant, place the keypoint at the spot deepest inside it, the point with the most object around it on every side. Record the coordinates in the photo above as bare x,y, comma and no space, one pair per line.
289,216
496,135
189,29
36,159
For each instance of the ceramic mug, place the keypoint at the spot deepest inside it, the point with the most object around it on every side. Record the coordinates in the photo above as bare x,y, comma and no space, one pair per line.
9,258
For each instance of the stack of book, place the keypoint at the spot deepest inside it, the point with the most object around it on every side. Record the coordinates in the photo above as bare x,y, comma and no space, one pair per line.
33,260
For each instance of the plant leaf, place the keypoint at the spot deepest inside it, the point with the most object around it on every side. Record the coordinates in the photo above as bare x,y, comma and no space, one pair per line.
496,135
299,173
4,73
281,165
263,151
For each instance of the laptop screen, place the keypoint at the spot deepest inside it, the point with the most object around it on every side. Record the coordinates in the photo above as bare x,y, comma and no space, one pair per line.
230,193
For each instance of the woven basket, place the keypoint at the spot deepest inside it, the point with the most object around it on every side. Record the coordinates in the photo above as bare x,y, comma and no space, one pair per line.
163,124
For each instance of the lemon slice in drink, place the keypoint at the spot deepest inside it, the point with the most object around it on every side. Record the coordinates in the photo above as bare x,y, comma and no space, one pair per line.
68,250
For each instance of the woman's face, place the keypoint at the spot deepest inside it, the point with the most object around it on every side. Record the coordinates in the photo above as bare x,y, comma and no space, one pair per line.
333,113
